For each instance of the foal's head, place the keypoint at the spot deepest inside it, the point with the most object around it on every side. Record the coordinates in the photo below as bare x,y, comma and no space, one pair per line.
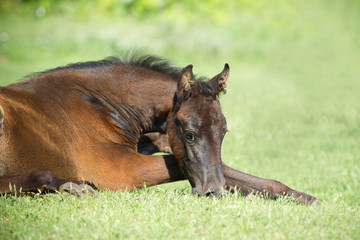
196,128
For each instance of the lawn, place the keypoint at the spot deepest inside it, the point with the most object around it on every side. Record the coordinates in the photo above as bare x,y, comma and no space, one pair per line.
292,108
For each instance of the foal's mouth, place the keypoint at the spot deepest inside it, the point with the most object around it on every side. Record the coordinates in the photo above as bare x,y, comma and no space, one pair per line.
213,192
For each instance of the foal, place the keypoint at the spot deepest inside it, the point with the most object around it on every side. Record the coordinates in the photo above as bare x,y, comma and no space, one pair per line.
82,123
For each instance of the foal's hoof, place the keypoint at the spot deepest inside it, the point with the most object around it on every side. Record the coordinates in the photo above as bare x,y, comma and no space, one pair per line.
307,200
315,202
87,189
78,190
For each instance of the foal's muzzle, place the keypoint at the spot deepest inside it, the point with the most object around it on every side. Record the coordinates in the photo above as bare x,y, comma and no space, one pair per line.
212,185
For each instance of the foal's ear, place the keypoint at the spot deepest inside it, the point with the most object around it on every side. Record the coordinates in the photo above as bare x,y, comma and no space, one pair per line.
219,82
186,81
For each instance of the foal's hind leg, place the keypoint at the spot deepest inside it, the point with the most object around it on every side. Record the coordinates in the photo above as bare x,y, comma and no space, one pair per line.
34,181
43,181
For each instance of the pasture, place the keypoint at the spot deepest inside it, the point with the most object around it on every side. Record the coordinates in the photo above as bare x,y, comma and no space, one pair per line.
292,108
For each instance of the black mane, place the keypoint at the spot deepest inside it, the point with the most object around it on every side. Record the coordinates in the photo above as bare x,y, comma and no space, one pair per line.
151,62
146,61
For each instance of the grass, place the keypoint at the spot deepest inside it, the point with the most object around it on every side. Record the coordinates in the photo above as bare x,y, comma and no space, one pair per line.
292,108
159,214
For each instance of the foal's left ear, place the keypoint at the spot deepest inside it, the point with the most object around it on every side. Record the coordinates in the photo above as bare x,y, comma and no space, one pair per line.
219,82
186,81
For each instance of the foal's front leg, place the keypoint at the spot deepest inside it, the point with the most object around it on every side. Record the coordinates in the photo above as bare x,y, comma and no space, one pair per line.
247,183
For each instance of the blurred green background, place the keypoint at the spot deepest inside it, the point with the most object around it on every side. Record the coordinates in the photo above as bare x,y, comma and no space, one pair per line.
292,104
319,38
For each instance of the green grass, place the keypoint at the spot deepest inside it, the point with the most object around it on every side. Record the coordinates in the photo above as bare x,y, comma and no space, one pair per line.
292,108
159,214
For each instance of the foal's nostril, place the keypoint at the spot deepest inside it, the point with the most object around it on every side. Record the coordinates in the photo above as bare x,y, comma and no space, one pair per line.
210,194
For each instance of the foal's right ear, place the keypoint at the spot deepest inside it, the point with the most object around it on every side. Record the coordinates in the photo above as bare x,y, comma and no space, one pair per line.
186,81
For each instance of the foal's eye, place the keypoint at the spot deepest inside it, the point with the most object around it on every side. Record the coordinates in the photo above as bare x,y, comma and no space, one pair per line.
190,136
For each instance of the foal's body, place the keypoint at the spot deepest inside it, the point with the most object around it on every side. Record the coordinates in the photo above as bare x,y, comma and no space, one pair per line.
82,123
62,122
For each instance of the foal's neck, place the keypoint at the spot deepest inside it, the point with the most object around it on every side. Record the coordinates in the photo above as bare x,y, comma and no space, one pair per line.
139,100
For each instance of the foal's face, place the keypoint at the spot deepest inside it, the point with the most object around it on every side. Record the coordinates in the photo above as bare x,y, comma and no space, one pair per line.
200,128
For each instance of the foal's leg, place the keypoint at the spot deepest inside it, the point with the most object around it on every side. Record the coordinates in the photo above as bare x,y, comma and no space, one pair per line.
43,181
34,181
247,183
